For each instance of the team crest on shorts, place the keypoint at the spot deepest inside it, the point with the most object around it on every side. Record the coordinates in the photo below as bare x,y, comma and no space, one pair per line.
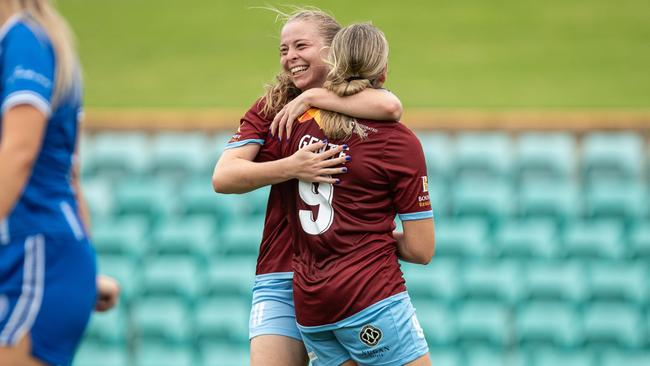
370,335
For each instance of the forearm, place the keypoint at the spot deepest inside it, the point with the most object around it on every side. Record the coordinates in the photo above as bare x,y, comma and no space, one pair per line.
377,104
14,173
241,175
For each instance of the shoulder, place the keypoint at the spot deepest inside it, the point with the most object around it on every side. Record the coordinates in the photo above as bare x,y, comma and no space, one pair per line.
25,33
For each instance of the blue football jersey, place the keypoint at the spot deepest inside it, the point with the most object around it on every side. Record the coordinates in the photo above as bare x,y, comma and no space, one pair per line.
47,204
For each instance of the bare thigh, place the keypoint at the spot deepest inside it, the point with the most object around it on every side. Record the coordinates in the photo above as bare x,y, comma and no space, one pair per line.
20,355
277,350
422,361
349,363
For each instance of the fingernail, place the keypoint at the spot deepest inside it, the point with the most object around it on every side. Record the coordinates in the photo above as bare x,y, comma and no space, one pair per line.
337,181
325,141
346,147
345,170
348,158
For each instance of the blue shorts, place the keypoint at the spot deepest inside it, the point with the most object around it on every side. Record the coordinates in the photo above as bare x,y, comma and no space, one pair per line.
273,312
47,290
385,334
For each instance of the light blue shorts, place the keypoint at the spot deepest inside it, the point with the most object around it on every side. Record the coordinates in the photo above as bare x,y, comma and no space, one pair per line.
47,290
385,334
273,311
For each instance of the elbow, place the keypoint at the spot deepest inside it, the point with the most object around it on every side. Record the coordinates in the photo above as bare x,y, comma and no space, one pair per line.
394,110
425,255
219,185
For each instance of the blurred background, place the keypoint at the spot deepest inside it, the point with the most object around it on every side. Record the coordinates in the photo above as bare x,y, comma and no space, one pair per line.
534,118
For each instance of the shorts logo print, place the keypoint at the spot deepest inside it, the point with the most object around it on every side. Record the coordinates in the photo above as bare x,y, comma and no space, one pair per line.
370,335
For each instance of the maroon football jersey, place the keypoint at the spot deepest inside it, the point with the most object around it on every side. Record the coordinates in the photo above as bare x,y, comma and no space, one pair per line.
345,255
275,250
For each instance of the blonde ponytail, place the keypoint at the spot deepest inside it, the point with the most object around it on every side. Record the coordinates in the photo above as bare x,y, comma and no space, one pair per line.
358,59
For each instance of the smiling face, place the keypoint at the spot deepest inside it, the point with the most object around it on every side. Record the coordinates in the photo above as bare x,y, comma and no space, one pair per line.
302,54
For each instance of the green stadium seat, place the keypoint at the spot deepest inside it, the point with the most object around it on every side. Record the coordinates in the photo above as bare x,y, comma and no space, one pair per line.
157,354
108,328
125,236
178,155
492,200
462,238
438,154
627,200
532,238
564,358
254,202
194,235
437,321
612,156
551,324
154,198
483,323
242,236
437,280
439,198
559,201
224,355
595,239
444,357
123,269
618,358
556,281
612,324
220,319
623,281
485,356
99,197
99,354
483,156
162,320
639,240
232,276
498,281
117,155
546,157
198,197
172,276
217,143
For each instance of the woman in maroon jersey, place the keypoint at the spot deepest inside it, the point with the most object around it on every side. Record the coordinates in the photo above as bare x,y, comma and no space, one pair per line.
250,162
350,297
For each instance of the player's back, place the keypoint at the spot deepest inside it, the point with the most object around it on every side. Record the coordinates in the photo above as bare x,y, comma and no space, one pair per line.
346,257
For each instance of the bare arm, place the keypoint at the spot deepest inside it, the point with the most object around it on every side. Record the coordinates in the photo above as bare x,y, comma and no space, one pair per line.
235,172
22,131
417,243
378,104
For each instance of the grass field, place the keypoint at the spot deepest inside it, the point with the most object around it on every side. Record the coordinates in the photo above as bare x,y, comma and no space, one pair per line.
475,54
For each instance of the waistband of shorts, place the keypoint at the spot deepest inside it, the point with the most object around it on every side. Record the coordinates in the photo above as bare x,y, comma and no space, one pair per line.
358,317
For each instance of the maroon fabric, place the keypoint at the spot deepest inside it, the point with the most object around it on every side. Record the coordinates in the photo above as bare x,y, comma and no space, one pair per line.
352,263
276,252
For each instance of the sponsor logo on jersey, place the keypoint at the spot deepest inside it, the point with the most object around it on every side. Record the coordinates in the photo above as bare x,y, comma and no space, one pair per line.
370,335
425,184
21,73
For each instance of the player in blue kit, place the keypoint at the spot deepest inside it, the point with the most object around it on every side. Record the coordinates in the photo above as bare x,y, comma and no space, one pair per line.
48,283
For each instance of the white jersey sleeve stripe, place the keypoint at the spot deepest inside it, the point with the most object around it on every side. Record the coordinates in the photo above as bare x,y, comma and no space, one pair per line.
29,98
